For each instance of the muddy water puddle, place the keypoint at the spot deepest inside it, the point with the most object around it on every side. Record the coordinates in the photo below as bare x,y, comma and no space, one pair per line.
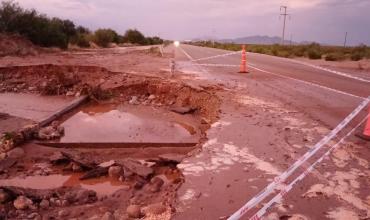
31,106
110,123
102,186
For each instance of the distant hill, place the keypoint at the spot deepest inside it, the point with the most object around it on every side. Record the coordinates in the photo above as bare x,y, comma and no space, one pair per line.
255,40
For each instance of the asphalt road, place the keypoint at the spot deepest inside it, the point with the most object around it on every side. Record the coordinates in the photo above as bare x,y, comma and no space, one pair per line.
250,144
326,96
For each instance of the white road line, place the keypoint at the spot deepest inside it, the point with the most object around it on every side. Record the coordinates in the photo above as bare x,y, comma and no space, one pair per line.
289,187
268,190
347,75
211,64
308,83
217,56
186,54
332,71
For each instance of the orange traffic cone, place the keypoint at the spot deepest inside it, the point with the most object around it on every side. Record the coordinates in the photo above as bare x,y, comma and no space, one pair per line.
243,65
366,134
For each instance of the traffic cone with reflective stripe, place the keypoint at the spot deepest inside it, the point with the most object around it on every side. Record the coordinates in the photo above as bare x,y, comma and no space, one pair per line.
243,65
366,134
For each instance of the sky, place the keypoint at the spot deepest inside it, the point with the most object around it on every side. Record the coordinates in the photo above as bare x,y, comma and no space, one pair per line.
324,21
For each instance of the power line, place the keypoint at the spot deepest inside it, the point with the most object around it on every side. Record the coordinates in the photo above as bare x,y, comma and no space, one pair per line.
284,8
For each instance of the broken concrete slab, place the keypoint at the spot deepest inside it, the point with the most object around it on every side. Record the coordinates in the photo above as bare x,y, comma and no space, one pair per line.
117,145
171,158
138,168
94,173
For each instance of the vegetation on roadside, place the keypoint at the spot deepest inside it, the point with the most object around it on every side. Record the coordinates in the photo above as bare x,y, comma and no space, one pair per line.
54,32
311,51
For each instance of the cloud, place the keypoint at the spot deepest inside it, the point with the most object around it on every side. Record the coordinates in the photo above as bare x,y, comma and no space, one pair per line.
314,20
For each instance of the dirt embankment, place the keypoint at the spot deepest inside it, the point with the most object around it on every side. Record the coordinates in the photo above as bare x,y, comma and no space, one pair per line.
14,45
104,84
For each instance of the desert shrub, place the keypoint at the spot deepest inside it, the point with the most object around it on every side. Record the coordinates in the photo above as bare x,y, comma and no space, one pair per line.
285,54
356,56
334,56
103,37
359,52
38,28
314,54
298,51
153,40
81,40
135,37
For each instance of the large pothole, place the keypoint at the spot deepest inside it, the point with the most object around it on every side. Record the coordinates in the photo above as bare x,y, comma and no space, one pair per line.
119,151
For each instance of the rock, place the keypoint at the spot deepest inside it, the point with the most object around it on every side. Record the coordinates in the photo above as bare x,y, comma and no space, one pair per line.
76,167
50,133
155,184
63,213
55,202
44,204
138,168
34,215
85,162
95,217
154,209
127,172
134,100
22,203
16,153
28,131
108,216
115,171
172,158
84,196
139,185
151,97
2,156
64,203
60,130
134,211
70,93
183,110
32,88
205,121
4,196
78,94
107,164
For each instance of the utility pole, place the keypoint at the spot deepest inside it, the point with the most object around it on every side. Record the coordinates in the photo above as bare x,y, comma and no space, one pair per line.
284,9
345,40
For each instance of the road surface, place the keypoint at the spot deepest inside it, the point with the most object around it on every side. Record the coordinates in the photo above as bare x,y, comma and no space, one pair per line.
269,118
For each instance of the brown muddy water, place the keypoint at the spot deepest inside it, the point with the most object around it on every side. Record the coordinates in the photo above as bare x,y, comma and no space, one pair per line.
102,186
31,106
110,123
